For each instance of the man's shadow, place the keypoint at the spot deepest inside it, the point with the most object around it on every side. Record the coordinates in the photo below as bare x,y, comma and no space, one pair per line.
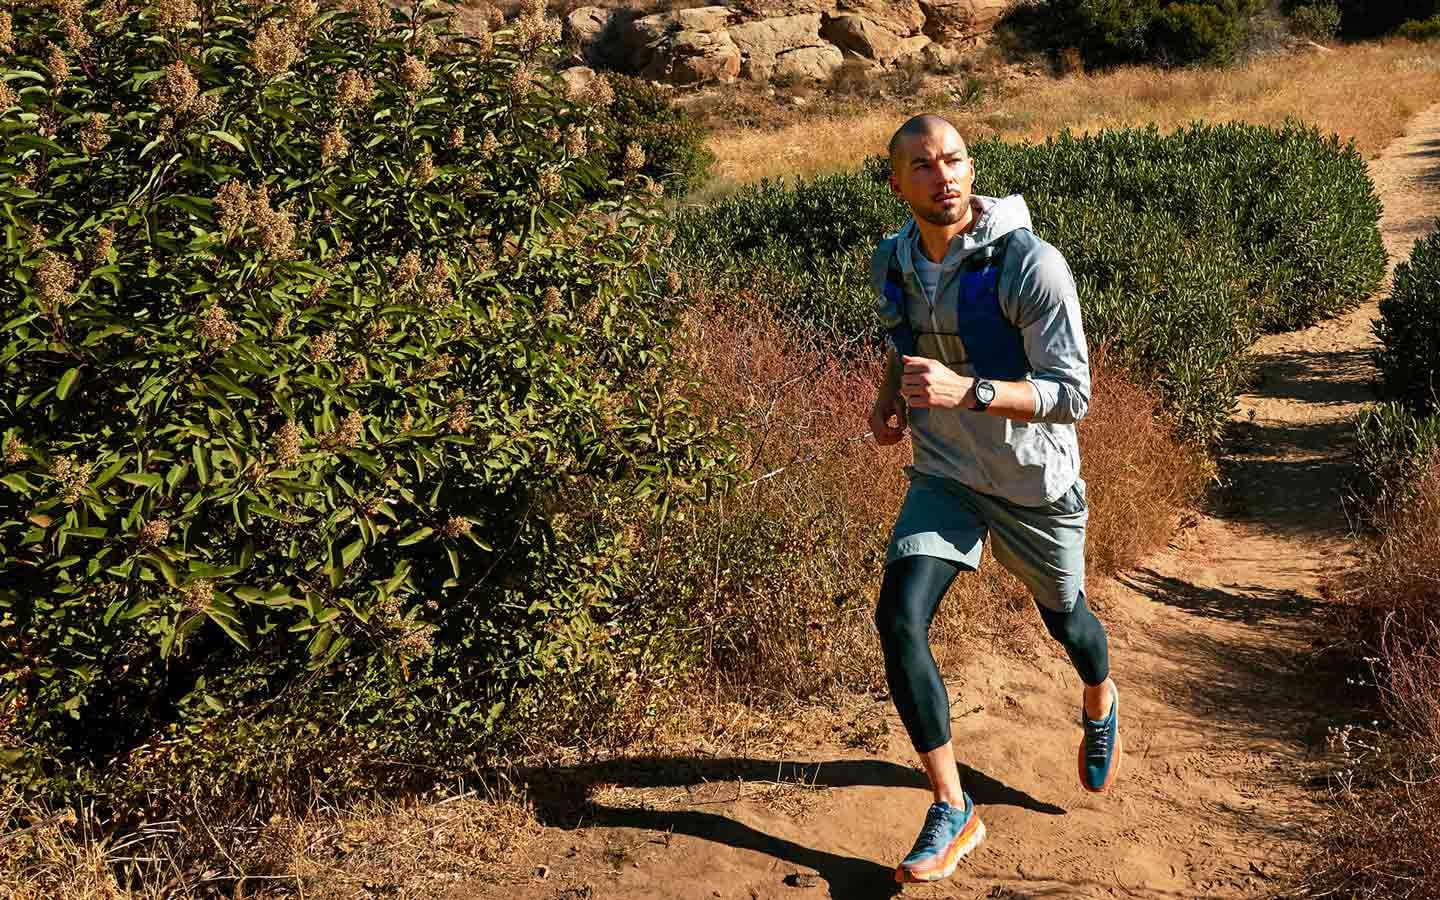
561,795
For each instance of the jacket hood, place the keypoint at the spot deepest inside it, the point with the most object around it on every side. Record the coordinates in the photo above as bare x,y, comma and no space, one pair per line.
999,216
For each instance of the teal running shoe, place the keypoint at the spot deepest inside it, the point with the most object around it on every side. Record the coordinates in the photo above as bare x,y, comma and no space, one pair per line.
949,834
1100,749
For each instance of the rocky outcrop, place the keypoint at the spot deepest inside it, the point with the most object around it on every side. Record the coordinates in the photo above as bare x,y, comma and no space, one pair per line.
763,40
961,20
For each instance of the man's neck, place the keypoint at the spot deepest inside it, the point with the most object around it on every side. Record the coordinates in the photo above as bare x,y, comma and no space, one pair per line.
935,239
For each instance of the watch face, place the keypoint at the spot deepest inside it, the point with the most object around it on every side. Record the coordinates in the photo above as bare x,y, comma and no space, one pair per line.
985,391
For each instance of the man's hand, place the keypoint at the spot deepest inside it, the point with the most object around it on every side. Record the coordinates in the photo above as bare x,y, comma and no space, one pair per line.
885,408
929,384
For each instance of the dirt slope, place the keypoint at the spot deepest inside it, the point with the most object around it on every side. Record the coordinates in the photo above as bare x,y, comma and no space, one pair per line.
1224,711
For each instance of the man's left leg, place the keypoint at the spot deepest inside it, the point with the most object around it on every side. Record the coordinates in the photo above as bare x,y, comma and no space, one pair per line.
1045,548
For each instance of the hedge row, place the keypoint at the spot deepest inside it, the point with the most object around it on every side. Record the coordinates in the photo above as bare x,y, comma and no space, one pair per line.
1185,246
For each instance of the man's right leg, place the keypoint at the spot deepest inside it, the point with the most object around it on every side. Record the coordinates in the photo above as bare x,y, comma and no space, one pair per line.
909,597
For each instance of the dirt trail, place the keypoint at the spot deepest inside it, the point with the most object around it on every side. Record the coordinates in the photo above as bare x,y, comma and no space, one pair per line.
1223,709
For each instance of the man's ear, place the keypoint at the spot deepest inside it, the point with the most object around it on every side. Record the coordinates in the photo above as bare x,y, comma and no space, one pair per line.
895,185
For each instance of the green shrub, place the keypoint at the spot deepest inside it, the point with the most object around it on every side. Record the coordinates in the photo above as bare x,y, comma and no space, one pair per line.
1111,32
1373,18
1392,446
673,143
1409,330
1315,20
332,413
1421,29
1184,246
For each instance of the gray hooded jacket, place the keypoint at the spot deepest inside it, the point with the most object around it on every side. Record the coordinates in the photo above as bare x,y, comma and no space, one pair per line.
1030,464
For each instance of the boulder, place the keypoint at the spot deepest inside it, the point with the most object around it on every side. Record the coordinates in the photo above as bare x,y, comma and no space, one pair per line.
577,79
904,17
694,57
912,48
587,28
951,20
940,56
808,63
644,39
761,41
862,36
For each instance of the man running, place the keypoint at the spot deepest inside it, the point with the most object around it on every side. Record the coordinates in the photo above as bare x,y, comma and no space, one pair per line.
987,367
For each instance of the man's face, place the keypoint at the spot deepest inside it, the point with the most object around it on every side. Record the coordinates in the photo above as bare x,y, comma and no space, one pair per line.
933,173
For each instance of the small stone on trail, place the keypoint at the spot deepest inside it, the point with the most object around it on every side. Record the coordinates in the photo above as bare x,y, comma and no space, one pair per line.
541,871
802,879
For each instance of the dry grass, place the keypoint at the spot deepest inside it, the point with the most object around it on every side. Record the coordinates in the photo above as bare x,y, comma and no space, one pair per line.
406,849
1386,842
1365,91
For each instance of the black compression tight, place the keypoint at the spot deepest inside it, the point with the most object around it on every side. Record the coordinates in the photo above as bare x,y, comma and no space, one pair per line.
909,597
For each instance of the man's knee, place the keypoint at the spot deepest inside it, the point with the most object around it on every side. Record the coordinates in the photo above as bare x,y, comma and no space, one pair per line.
899,622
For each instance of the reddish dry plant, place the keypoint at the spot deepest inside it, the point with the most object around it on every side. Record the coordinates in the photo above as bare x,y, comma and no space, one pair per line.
800,614
1386,842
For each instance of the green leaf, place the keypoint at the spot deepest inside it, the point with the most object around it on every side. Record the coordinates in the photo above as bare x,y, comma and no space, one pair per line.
415,537
145,479
67,381
228,138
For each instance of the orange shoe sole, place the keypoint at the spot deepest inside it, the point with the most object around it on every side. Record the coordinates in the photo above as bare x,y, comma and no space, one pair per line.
964,842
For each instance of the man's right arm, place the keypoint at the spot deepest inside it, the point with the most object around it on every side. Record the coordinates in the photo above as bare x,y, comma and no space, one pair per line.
888,403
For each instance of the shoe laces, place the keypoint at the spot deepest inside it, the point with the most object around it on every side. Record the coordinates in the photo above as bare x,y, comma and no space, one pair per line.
1097,745
934,823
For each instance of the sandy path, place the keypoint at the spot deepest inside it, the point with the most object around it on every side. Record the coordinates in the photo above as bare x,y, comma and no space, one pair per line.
1223,706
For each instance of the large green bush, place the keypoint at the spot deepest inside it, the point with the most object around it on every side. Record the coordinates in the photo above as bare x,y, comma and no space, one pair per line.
334,391
1184,246
673,143
1110,32
1409,330
1392,446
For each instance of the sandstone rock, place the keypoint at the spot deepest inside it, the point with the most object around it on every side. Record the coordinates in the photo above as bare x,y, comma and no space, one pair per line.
577,79
588,29
949,20
809,63
762,40
694,57
904,17
862,36
644,40
940,56
912,48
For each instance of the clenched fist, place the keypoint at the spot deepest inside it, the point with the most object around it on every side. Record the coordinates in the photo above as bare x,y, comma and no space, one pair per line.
887,407
928,383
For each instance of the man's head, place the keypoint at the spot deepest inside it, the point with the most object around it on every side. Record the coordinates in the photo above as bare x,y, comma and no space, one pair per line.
931,169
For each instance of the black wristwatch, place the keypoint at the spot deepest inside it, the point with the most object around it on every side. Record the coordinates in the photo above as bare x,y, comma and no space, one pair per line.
984,394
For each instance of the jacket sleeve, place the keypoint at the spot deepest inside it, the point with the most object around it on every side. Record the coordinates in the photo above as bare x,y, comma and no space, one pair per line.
887,297
1046,309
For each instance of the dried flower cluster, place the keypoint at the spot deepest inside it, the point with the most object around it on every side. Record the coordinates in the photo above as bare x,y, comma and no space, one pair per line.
8,98
534,29
54,278
14,451
550,183
104,240
459,418
521,81
72,476
275,48
416,641
285,443
240,205
552,299
436,289
634,157
353,90
455,526
154,532
437,366
489,144
322,346
484,253
354,370
197,595
176,89
7,32
333,146
281,326
408,268
349,432
600,93
425,170
58,66
216,328
371,14
576,143
415,75
173,15
457,137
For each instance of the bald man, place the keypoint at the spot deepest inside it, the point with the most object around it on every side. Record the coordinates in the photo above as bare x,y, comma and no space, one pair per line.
987,370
